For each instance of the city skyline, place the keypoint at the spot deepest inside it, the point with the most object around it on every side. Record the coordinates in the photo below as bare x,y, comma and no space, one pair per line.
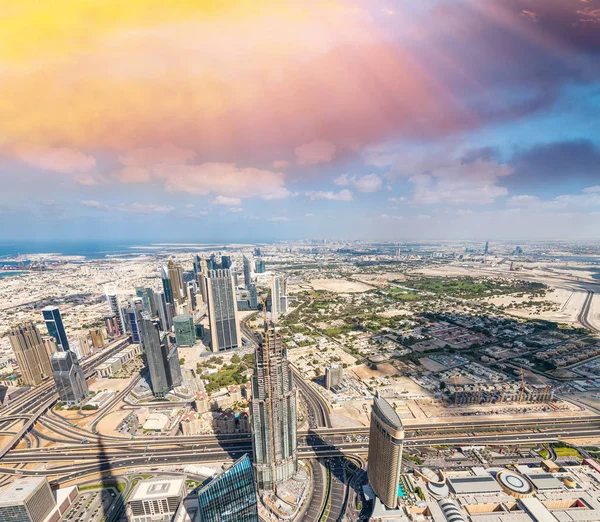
433,120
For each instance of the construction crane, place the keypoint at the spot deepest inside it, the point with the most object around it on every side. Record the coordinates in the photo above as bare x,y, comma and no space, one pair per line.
502,393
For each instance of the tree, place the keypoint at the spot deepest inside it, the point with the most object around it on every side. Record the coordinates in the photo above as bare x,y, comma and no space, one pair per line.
317,371
235,359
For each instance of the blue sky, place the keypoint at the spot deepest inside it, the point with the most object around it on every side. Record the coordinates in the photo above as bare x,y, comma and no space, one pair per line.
454,120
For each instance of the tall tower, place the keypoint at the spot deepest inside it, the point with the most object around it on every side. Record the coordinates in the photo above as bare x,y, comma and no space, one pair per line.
30,352
176,277
167,287
247,272
273,413
386,440
115,306
69,377
163,363
277,293
55,327
222,311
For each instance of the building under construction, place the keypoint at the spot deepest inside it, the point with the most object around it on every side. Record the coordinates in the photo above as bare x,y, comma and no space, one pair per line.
498,393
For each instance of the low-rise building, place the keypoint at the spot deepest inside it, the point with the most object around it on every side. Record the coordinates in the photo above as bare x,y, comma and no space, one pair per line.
156,500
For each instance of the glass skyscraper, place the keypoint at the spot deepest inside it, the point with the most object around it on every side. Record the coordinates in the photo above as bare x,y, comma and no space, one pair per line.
185,333
69,377
222,311
273,413
231,496
55,327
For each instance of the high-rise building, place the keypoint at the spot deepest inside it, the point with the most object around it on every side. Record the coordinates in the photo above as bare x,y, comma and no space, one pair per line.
486,251
176,277
257,252
27,499
247,272
260,266
273,413
386,440
167,286
252,296
69,377
163,362
161,304
277,293
222,311
185,333
230,496
97,336
30,352
55,327
225,262
81,346
131,321
50,345
155,500
334,375
115,307
112,326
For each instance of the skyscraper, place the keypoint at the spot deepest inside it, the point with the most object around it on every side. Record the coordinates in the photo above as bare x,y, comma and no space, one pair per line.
162,311
273,412
131,320
185,333
260,266
55,327
176,277
115,306
27,499
222,311
225,262
231,496
252,296
163,363
30,352
247,272
167,286
386,440
277,293
69,377
334,376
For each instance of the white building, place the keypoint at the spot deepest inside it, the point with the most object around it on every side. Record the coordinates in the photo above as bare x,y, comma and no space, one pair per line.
156,500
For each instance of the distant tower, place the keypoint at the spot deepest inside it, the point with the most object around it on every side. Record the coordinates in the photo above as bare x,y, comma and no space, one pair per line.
163,362
260,266
55,327
252,296
115,307
230,496
273,413
386,440
30,352
176,277
247,272
334,375
225,262
277,294
167,286
185,333
487,248
222,311
69,377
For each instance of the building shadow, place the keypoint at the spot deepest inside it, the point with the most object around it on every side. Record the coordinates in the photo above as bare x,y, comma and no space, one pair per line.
111,498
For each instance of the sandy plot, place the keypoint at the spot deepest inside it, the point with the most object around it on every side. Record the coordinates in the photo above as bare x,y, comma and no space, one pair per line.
108,425
380,279
340,286
432,365
383,370
395,313
115,385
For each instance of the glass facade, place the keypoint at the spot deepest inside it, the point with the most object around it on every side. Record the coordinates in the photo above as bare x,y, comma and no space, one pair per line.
231,496
55,327
185,333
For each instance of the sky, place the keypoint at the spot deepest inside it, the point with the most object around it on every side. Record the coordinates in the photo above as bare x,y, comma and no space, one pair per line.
204,120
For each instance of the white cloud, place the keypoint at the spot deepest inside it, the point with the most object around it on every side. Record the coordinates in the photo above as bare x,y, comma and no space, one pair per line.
60,159
133,208
281,164
235,210
309,214
227,201
318,151
342,195
279,219
150,156
92,203
367,183
189,205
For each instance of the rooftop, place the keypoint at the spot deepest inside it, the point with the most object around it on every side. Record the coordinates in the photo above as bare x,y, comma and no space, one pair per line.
158,488
20,490
387,412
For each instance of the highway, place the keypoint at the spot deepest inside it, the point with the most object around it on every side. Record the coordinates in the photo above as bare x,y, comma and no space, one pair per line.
583,317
